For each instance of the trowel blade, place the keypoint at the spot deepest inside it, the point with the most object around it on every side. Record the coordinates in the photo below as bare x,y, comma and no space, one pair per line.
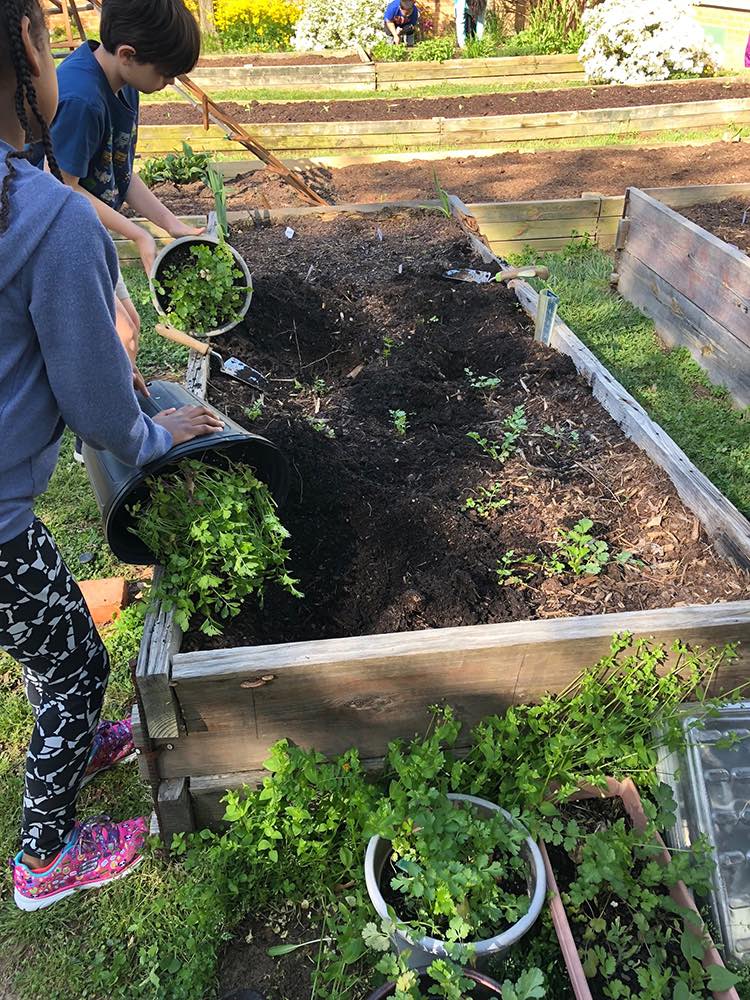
468,274
235,368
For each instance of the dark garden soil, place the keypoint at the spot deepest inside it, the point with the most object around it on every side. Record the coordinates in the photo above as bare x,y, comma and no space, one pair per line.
480,105
505,177
278,59
729,220
351,319
246,963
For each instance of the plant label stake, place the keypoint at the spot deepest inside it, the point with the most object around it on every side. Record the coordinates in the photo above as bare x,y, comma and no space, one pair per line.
485,277
545,316
232,367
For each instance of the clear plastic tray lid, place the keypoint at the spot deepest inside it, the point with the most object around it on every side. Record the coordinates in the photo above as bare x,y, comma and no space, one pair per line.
712,787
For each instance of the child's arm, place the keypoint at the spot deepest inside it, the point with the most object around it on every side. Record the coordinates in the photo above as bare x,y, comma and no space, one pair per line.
117,223
71,301
144,202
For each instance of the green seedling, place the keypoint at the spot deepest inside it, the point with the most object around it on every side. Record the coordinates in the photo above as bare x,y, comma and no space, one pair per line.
176,168
388,344
482,381
255,412
579,552
400,420
513,426
515,570
322,426
320,387
487,500
562,436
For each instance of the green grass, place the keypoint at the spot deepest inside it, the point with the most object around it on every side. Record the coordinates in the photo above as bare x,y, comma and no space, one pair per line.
667,383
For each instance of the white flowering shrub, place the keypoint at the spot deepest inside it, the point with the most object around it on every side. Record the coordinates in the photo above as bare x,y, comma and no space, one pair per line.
634,41
341,26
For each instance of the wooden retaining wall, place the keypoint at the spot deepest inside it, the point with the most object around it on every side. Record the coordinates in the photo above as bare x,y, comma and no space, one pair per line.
209,717
495,131
693,285
505,70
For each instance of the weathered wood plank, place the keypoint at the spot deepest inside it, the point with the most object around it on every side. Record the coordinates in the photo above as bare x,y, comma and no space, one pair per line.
512,211
365,691
723,523
703,268
161,639
680,323
175,808
403,83
532,229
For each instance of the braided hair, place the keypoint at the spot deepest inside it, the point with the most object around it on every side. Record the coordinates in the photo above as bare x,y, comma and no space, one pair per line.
13,56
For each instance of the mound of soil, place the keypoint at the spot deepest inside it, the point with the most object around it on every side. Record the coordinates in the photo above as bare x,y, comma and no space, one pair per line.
505,177
480,105
352,320
729,220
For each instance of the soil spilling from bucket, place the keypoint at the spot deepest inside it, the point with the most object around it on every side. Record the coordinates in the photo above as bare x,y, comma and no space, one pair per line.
353,322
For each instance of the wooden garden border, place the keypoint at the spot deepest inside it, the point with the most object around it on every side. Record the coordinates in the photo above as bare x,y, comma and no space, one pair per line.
500,131
383,75
693,285
210,717
511,226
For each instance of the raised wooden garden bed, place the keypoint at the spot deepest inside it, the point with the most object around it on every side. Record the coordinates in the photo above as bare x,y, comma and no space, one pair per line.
386,76
502,131
210,715
695,286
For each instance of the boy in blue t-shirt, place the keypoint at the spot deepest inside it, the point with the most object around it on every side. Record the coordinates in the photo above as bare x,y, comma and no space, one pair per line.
400,21
145,45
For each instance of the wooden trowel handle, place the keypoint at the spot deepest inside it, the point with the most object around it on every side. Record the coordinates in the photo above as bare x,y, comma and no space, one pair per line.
530,271
202,347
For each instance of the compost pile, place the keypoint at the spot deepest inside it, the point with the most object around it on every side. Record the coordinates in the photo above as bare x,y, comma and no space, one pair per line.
354,323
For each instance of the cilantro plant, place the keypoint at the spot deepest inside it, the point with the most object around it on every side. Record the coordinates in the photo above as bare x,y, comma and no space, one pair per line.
513,427
635,941
218,536
400,419
176,168
578,552
203,292
482,381
514,570
487,500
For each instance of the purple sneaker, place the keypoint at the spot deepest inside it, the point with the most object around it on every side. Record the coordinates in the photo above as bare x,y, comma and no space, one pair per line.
113,744
98,851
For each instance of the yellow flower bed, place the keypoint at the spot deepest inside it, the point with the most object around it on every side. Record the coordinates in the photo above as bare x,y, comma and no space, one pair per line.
267,21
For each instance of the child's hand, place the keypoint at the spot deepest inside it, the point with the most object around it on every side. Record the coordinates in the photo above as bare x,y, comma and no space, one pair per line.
188,422
180,229
146,245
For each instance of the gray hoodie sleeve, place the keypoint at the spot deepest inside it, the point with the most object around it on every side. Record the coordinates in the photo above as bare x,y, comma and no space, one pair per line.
72,307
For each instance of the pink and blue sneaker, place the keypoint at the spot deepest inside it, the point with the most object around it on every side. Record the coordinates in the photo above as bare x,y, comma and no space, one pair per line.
98,851
113,744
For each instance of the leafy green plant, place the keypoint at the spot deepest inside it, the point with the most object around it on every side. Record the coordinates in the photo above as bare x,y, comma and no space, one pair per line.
322,426
388,344
515,570
400,419
563,437
255,412
551,26
513,427
487,500
634,940
578,551
432,50
215,181
203,292
382,51
443,197
218,537
176,168
482,381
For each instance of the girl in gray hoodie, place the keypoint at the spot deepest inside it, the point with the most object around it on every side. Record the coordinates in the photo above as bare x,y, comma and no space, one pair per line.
61,363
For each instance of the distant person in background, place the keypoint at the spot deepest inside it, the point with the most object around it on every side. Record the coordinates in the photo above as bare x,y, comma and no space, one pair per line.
469,20
400,22
747,53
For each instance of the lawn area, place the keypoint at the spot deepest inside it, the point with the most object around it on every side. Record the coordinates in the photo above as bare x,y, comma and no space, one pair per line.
670,385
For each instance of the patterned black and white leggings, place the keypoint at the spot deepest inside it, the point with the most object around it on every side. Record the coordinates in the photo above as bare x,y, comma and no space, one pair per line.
46,626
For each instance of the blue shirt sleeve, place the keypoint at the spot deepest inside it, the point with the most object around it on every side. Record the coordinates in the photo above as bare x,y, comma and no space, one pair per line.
391,10
77,136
